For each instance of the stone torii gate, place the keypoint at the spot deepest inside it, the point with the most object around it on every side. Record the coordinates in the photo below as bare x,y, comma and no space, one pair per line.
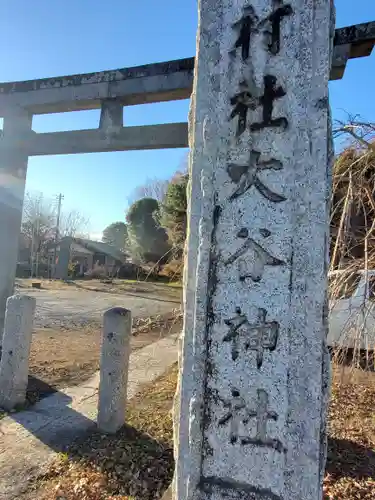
108,91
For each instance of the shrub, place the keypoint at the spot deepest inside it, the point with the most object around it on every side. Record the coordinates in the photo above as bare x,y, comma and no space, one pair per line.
173,270
97,272
130,271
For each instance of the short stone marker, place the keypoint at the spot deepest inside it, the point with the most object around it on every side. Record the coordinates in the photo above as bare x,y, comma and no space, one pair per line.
14,364
114,364
255,366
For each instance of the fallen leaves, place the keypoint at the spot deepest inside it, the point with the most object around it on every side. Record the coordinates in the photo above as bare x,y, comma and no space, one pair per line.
350,470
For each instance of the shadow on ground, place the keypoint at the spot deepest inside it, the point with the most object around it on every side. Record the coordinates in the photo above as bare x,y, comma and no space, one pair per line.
51,420
349,459
37,389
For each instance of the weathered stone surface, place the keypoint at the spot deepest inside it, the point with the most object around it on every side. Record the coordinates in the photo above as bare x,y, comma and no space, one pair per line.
255,369
111,116
190,263
114,366
162,136
14,364
13,168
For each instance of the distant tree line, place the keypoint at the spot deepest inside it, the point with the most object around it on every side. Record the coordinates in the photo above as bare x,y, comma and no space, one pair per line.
155,227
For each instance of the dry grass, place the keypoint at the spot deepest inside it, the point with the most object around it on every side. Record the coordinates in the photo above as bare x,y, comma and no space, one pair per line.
353,207
353,234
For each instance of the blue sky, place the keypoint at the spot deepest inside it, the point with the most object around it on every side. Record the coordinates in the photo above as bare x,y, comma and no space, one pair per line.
49,38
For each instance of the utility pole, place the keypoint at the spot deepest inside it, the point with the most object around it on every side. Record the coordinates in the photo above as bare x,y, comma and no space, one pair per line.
57,229
35,238
32,250
38,242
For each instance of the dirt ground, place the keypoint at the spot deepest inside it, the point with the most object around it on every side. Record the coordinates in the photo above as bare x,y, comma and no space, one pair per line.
172,290
137,462
76,305
64,357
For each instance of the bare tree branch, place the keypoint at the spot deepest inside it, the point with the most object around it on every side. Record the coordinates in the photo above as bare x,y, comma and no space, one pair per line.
359,132
72,223
152,188
39,221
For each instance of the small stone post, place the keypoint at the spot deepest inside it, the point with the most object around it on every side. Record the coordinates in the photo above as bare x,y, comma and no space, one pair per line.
254,381
114,364
14,364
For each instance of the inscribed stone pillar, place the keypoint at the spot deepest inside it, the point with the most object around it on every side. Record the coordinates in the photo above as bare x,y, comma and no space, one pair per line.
13,169
255,367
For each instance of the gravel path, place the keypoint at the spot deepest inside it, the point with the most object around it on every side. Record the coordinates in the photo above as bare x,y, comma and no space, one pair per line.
71,308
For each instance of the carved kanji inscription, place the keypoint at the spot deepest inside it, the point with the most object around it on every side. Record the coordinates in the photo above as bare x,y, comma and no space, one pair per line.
254,337
246,176
246,26
245,100
242,102
271,93
261,257
239,415
272,24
